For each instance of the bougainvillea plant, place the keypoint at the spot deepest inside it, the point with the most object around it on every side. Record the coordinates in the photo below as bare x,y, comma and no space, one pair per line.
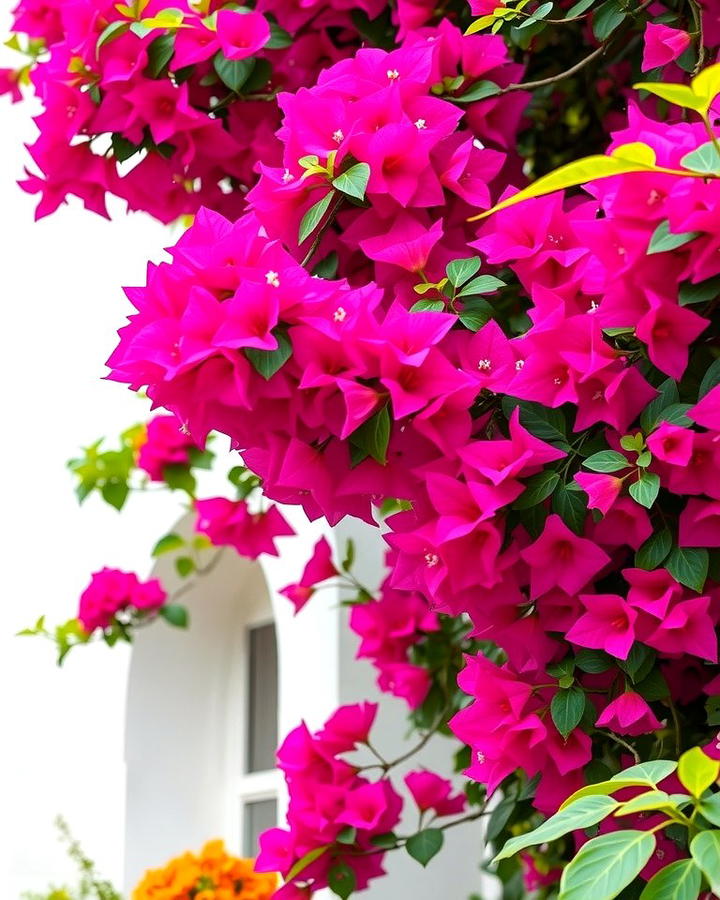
471,289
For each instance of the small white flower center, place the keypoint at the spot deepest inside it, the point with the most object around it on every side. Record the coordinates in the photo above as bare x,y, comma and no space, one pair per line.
393,74
272,278
420,124
519,364
480,756
287,176
340,314
431,560
338,136
485,365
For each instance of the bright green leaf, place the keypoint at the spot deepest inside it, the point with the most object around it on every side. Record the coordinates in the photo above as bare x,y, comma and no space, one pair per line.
663,239
313,217
373,436
483,284
651,772
606,461
705,850
185,566
481,90
644,802
645,490
428,306
697,771
605,865
705,159
167,544
268,362
709,808
175,614
678,881
354,181
461,270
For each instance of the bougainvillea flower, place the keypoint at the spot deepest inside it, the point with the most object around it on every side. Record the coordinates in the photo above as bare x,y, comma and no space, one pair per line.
629,714
607,624
663,45
230,523
559,558
318,568
112,591
430,791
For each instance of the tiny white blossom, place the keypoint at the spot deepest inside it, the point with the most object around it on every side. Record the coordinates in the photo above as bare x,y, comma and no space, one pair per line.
272,278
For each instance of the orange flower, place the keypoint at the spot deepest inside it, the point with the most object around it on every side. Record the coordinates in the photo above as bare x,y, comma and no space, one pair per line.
211,875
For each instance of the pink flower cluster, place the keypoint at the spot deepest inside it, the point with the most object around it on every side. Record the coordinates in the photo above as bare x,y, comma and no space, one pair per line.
431,160
164,445
329,796
169,115
112,592
231,523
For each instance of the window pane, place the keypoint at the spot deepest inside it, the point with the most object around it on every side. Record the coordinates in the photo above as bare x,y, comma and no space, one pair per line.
262,731
259,816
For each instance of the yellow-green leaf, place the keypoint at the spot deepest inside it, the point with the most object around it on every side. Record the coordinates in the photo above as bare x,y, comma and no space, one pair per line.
697,771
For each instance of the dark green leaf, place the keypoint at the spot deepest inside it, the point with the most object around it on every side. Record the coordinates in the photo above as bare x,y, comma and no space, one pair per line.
123,148
259,77
499,817
386,840
663,239
710,380
233,72
327,268
546,424
607,18
639,661
481,90
653,686
461,270
347,835
654,551
676,414
579,8
160,52
690,293
567,708
704,158
341,880
268,362
571,507
425,844
373,436
354,181
667,395
540,13
593,661
474,316
279,38
645,490
606,461
168,543
712,708
537,489
313,217
689,566
175,614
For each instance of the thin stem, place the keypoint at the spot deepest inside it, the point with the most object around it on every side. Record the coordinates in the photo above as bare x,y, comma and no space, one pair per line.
696,12
676,723
622,743
323,228
542,82
387,765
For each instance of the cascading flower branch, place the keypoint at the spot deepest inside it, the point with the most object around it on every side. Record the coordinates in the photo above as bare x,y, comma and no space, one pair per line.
532,405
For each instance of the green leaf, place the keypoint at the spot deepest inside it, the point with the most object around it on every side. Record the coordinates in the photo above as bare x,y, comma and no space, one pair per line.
702,292
175,614
606,19
606,461
605,865
483,284
653,686
115,492
313,217
689,566
652,772
583,813
180,478
571,508
697,771
387,840
349,558
347,835
710,380
307,860
167,544
654,551
544,423
474,316
537,489
712,710
327,268
481,90
704,158
709,808
664,240
705,850
667,395
499,817
676,414
160,52
645,490
639,661
373,436
540,13
342,880
678,881
233,72
354,181
424,845
428,306
112,31
644,802
185,566
461,270
579,8
268,362
279,38
593,661
567,709
123,148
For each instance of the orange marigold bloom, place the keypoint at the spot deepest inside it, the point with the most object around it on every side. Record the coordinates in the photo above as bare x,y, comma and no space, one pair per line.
211,875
